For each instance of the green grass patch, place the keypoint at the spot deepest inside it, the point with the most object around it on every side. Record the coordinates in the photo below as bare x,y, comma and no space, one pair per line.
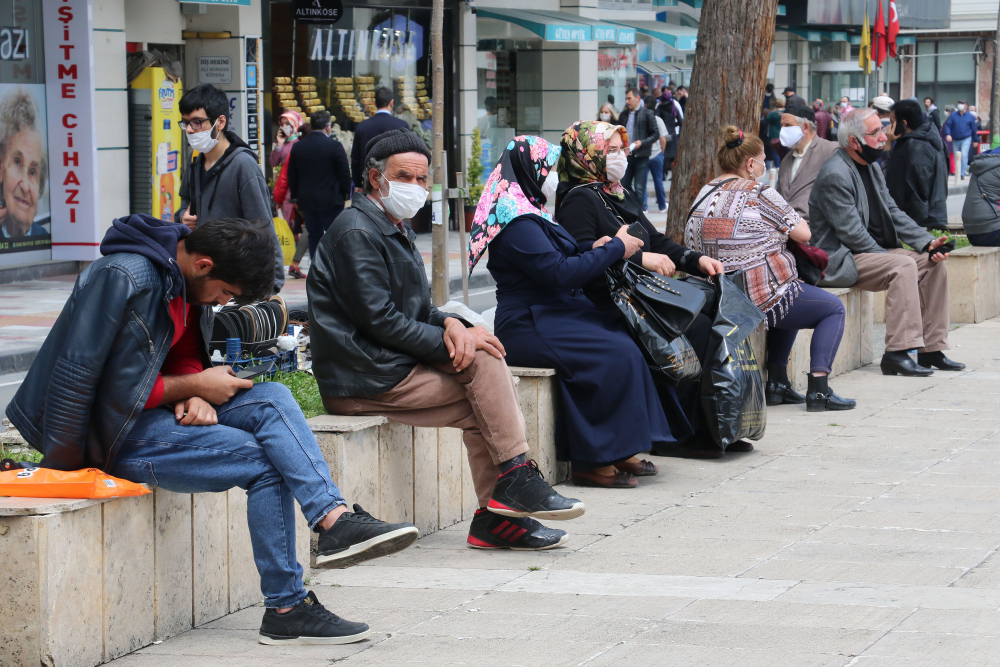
960,241
305,391
19,453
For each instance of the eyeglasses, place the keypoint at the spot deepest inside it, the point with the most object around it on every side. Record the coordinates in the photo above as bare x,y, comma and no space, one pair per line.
874,133
620,149
194,123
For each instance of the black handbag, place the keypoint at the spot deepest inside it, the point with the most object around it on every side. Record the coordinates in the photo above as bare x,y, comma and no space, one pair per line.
658,310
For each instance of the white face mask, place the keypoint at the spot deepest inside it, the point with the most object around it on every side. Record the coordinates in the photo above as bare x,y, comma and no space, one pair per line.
844,105
606,117
203,141
789,136
763,176
287,129
961,107
549,188
616,166
403,200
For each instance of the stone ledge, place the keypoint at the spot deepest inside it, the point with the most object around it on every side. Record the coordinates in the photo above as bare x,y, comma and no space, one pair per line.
525,372
44,506
343,423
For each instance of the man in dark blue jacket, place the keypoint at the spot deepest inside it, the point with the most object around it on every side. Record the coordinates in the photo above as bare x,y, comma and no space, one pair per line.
123,383
319,178
382,121
960,129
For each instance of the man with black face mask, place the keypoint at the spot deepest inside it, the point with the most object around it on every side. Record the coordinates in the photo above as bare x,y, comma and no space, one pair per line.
862,229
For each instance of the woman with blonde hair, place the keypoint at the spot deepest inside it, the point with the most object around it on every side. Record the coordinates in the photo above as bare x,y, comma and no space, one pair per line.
607,114
747,225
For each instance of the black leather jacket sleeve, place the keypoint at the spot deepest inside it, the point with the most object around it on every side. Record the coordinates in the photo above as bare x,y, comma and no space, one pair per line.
101,306
357,261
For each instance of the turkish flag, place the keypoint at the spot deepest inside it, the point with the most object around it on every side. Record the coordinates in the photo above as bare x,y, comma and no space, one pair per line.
893,27
878,38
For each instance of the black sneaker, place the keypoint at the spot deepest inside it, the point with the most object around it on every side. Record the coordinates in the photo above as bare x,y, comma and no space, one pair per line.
490,531
358,536
309,622
523,491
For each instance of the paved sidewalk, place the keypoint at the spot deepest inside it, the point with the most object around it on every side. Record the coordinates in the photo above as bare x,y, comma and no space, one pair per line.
863,538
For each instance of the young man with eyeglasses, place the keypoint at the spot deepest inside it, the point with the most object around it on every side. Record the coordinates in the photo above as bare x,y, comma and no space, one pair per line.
224,180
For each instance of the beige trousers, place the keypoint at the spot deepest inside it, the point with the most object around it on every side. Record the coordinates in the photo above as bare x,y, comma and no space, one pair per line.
916,297
481,400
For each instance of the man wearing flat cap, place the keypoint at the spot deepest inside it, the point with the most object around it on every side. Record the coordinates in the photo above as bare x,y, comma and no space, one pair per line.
380,347
809,153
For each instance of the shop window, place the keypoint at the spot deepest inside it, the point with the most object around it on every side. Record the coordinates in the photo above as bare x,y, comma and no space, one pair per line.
25,222
946,71
509,73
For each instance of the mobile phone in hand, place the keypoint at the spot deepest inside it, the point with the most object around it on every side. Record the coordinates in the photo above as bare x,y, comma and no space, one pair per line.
946,247
255,371
637,230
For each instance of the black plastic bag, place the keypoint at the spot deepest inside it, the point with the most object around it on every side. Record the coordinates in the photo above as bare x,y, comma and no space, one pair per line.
732,390
669,358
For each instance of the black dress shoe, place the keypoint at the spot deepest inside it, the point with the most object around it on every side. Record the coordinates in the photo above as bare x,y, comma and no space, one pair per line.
900,363
779,392
696,447
939,361
820,398
779,388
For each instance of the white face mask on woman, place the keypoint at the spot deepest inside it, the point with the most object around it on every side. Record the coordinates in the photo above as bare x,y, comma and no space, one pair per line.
403,199
606,117
549,187
616,163
762,178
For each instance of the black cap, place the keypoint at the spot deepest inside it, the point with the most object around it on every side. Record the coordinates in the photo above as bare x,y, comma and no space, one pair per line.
789,89
400,140
801,112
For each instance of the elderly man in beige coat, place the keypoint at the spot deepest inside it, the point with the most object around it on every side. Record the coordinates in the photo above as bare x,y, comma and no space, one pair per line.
809,153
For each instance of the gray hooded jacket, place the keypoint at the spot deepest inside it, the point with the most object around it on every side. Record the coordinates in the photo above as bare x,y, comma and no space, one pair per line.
233,188
981,212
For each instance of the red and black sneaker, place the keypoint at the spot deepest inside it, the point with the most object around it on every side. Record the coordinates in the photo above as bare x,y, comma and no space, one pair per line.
523,491
490,531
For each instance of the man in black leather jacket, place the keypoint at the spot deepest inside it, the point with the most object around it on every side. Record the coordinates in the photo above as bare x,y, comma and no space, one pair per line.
640,123
123,383
381,348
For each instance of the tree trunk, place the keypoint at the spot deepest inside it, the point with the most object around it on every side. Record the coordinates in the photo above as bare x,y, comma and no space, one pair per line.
727,88
439,179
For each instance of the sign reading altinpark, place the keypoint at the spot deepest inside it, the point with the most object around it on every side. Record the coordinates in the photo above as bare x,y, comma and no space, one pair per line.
318,11
73,174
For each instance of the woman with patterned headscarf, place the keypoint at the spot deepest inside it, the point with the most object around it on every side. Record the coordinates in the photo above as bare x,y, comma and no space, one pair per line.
591,204
608,409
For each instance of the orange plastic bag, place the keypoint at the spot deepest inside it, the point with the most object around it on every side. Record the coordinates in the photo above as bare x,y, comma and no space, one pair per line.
48,483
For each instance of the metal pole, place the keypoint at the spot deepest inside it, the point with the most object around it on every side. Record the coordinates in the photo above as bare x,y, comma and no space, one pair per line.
294,24
995,104
462,248
439,257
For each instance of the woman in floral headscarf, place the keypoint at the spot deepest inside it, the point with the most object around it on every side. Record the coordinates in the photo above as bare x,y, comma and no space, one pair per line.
608,409
591,204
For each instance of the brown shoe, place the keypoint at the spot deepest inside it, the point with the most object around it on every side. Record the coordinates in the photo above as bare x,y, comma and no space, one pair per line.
643,468
620,480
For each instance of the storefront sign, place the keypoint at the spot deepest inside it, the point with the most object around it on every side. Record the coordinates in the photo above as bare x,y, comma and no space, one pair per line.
318,11
215,69
378,44
69,71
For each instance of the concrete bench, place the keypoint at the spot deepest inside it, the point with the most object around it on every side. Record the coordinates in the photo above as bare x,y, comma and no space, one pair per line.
87,581
973,286
856,346
422,475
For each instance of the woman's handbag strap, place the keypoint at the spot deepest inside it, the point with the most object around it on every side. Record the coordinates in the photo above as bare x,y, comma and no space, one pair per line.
707,195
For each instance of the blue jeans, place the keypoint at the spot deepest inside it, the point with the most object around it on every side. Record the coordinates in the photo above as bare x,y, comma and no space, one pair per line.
964,145
263,444
987,239
656,170
635,178
814,308
317,222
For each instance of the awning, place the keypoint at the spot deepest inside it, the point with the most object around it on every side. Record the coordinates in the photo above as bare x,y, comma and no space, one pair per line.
561,26
660,68
680,37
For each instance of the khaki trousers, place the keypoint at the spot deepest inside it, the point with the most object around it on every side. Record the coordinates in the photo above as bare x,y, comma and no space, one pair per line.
481,400
916,297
